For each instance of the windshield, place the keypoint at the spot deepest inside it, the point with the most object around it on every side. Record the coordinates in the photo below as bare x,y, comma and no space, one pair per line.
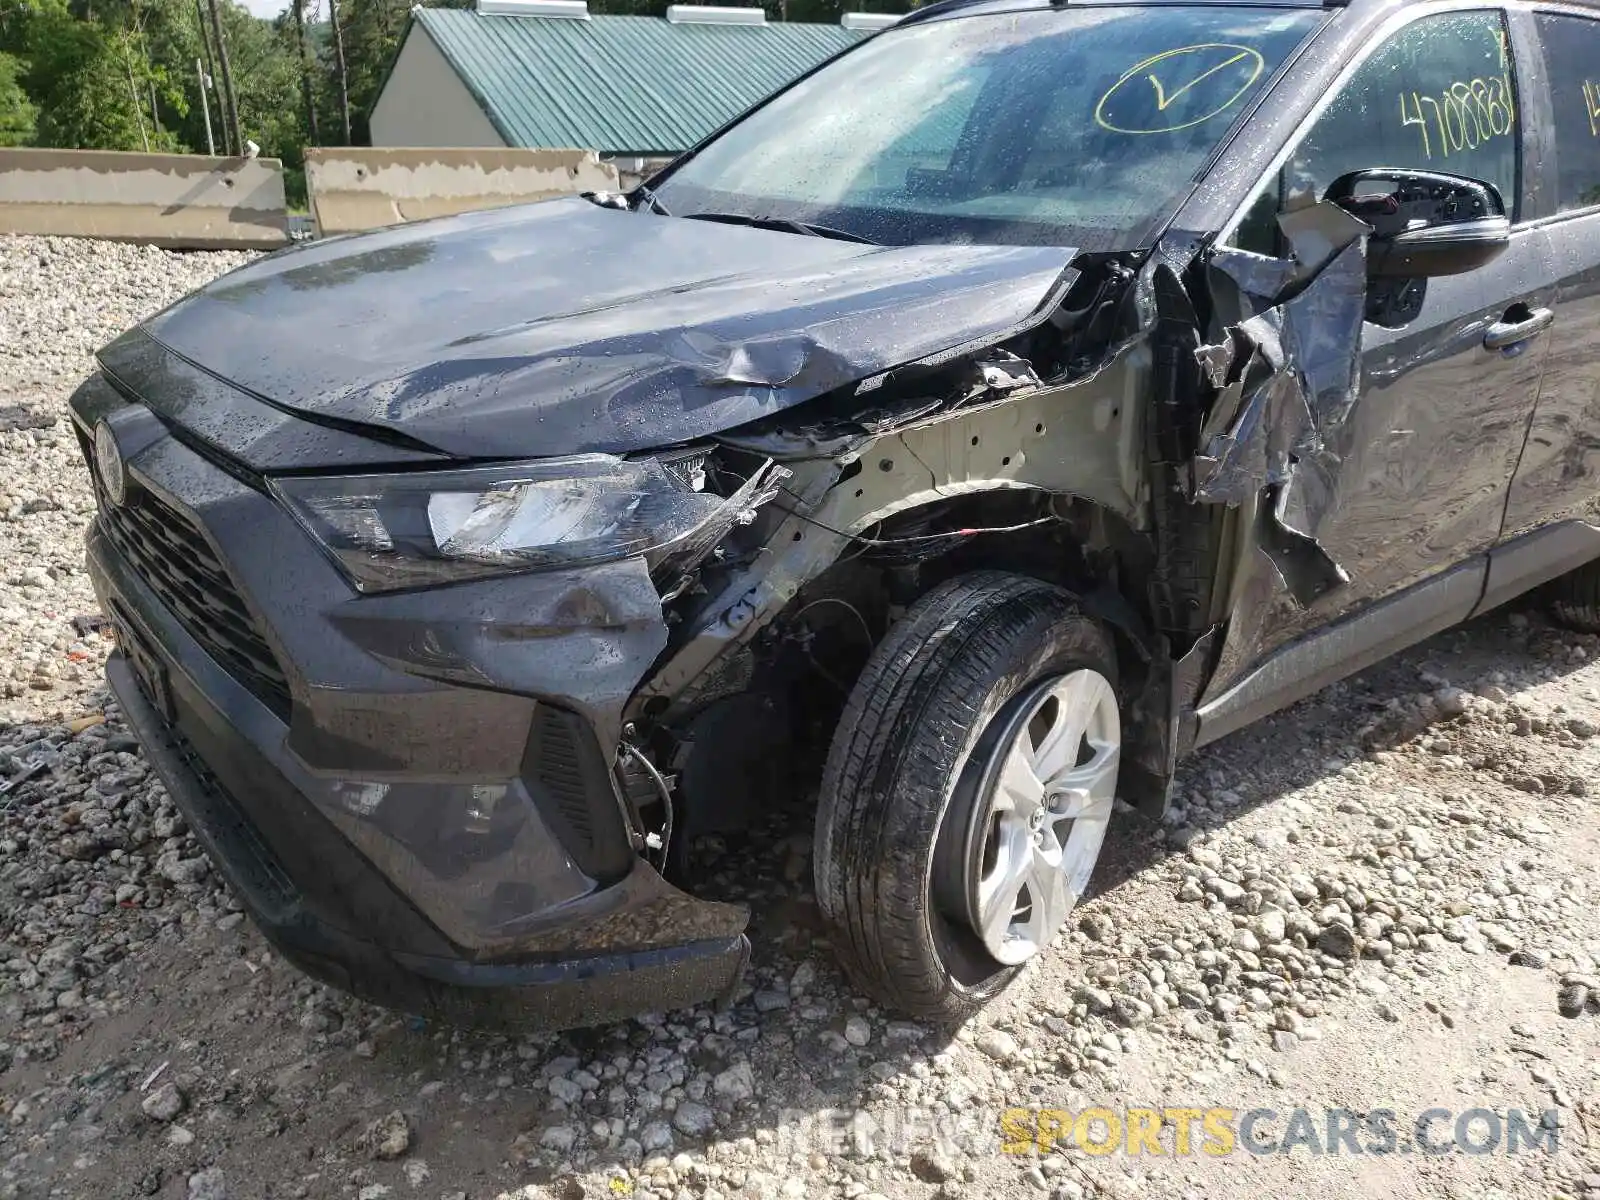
1078,127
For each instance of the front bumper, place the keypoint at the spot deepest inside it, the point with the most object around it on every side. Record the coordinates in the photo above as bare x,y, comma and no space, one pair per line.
554,993
410,793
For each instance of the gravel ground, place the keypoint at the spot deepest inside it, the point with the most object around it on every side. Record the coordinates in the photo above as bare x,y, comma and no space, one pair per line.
1384,898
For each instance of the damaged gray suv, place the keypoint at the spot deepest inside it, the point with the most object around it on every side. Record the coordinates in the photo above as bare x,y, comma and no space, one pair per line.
1025,397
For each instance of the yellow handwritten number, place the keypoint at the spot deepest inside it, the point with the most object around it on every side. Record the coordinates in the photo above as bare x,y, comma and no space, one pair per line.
1466,115
1175,66
1418,120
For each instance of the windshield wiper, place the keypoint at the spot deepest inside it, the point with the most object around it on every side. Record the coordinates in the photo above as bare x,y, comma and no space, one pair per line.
648,197
783,225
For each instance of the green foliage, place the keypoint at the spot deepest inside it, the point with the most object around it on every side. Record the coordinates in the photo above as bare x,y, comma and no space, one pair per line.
372,30
17,112
75,74
92,84
267,83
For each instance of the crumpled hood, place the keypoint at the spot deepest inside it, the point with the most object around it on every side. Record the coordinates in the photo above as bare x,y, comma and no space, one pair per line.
563,327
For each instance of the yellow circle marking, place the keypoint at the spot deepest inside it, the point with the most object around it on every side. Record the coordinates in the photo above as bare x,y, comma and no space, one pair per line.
1141,75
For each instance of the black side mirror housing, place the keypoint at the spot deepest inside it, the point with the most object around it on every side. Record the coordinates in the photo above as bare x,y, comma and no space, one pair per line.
1424,223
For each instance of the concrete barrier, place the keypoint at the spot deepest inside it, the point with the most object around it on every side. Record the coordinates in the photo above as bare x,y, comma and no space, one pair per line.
633,170
354,189
183,201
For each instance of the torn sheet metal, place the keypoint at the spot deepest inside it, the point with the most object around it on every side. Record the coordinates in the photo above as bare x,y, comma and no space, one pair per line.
1285,378
962,380
1003,372
566,327
995,377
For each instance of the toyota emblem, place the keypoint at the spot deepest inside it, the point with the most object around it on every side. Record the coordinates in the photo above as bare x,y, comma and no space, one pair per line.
108,463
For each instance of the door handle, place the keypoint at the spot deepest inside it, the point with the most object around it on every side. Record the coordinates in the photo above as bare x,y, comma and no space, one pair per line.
1504,334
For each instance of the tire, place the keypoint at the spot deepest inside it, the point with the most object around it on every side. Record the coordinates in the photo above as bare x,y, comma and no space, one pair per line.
1575,598
916,723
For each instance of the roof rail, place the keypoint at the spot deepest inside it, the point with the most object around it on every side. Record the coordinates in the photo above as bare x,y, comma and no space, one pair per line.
713,14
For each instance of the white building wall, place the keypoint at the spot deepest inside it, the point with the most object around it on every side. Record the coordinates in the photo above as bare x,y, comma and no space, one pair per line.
424,103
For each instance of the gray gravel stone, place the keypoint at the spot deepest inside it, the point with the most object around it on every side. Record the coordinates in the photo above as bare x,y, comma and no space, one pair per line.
1097,926
565,1090
656,1136
163,1104
1570,1000
737,1083
770,1000
1270,926
1338,941
560,1138
695,1120
387,1137
930,1166
998,1045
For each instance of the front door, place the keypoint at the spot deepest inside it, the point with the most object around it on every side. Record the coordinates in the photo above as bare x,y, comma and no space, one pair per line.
1426,455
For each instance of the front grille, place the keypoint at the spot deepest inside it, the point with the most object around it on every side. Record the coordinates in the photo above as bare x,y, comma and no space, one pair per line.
172,556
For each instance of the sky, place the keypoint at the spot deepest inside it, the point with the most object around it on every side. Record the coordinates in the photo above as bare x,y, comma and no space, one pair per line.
264,8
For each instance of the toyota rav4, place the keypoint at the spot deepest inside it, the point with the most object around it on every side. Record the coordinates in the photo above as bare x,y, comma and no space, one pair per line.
1027,396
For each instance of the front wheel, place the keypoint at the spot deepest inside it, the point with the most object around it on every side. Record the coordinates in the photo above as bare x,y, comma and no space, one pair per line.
967,791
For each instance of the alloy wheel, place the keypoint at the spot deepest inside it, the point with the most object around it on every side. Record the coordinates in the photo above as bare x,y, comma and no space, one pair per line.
1039,813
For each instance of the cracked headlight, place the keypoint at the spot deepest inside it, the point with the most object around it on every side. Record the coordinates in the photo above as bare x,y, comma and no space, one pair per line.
431,527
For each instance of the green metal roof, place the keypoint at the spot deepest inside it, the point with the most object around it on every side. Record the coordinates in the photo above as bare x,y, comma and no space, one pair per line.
621,85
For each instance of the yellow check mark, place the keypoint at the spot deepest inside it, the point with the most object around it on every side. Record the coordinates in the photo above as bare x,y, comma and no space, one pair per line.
1164,101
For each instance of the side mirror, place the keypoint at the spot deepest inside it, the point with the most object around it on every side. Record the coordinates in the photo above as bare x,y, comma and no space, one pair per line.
1424,223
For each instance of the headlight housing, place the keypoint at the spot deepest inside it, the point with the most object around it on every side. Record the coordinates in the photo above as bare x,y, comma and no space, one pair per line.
430,527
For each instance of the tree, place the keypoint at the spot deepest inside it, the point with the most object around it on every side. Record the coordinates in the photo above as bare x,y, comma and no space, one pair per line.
372,31
266,79
341,70
17,112
76,77
120,74
304,64
230,100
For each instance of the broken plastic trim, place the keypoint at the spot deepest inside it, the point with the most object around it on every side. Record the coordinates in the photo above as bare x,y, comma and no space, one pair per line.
963,380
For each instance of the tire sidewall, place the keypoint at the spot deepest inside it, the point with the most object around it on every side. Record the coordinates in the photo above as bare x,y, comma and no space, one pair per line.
1047,636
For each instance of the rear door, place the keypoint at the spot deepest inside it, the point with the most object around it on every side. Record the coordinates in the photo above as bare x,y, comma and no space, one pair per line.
1559,475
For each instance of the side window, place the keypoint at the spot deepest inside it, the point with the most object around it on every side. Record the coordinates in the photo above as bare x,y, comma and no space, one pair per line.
1439,95
1572,49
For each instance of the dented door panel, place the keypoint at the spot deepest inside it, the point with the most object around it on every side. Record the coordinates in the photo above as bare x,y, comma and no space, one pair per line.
1404,476
1361,458
1429,448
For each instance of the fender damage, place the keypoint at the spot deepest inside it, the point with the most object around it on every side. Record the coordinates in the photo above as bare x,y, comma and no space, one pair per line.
1172,412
